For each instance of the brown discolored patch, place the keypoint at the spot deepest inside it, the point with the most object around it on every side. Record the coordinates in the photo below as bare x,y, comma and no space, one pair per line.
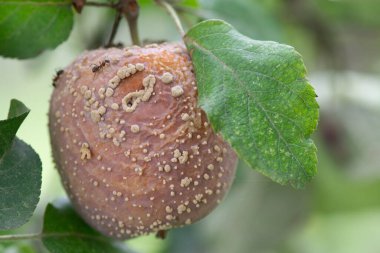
133,172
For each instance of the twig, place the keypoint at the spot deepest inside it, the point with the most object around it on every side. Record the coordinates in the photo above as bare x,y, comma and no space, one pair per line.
173,14
131,9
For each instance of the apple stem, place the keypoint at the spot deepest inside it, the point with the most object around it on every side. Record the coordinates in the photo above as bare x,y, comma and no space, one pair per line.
131,11
173,14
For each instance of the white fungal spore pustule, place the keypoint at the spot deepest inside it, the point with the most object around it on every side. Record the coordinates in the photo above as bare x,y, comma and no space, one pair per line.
135,128
132,99
177,91
85,152
167,77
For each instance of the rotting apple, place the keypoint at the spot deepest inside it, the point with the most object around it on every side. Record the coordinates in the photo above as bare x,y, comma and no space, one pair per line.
134,151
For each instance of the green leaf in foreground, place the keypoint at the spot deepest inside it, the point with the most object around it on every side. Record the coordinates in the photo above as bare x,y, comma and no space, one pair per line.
256,95
20,184
65,232
29,27
8,128
20,171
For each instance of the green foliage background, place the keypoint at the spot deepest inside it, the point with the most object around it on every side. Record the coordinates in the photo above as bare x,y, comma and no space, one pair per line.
339,212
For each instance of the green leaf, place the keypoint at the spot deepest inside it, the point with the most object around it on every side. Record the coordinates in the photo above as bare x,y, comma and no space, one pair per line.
65,232
8,128
20,171
29,27
256,95
20,184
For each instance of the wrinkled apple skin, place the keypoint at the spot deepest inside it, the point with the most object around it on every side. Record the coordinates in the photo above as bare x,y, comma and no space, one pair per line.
135,153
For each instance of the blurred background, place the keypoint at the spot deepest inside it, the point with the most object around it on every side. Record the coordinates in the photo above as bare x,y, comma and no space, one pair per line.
338,212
